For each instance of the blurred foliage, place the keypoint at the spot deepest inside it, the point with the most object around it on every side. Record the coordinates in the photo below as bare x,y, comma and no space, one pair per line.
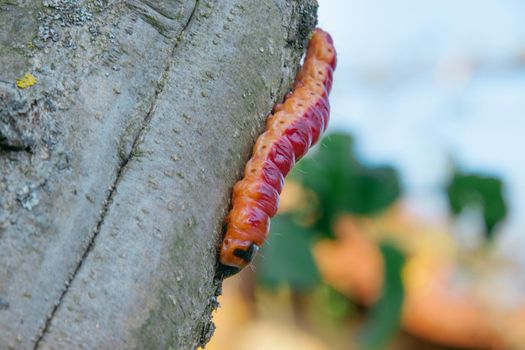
385,316
286,256
481,192
332,181
342,183
333,306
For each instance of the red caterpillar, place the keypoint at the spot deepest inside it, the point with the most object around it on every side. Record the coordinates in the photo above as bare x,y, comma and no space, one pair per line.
294,126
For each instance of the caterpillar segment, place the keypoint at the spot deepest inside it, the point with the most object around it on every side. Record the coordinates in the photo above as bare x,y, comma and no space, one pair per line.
295,125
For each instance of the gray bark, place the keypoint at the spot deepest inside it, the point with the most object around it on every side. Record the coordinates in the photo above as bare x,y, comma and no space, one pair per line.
116,167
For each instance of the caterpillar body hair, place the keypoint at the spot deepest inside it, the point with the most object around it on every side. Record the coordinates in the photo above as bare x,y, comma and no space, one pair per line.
293,127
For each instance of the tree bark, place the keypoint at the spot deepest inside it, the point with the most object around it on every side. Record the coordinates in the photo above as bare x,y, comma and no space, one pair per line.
116,167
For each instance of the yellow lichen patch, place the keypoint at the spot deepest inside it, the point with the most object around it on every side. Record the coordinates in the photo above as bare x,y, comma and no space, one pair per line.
26,81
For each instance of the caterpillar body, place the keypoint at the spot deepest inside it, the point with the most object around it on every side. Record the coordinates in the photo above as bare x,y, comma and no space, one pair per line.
295,125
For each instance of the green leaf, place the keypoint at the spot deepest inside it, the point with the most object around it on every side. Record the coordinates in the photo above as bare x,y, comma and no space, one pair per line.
336,306
478,191
385,316
286,256
342,183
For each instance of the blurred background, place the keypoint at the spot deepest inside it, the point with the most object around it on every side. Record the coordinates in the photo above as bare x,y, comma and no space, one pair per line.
403,228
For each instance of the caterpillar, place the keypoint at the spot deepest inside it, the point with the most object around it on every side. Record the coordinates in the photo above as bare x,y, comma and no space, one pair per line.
294,126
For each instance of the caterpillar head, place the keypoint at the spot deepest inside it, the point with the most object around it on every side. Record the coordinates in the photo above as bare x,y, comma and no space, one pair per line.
235,255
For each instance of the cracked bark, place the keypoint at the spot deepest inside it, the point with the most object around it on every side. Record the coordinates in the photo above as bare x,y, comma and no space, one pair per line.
116,167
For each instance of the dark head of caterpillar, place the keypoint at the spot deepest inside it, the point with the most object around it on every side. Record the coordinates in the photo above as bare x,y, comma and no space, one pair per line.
241,253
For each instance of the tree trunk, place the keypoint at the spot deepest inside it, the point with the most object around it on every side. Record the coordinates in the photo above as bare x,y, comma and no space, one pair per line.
116,167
